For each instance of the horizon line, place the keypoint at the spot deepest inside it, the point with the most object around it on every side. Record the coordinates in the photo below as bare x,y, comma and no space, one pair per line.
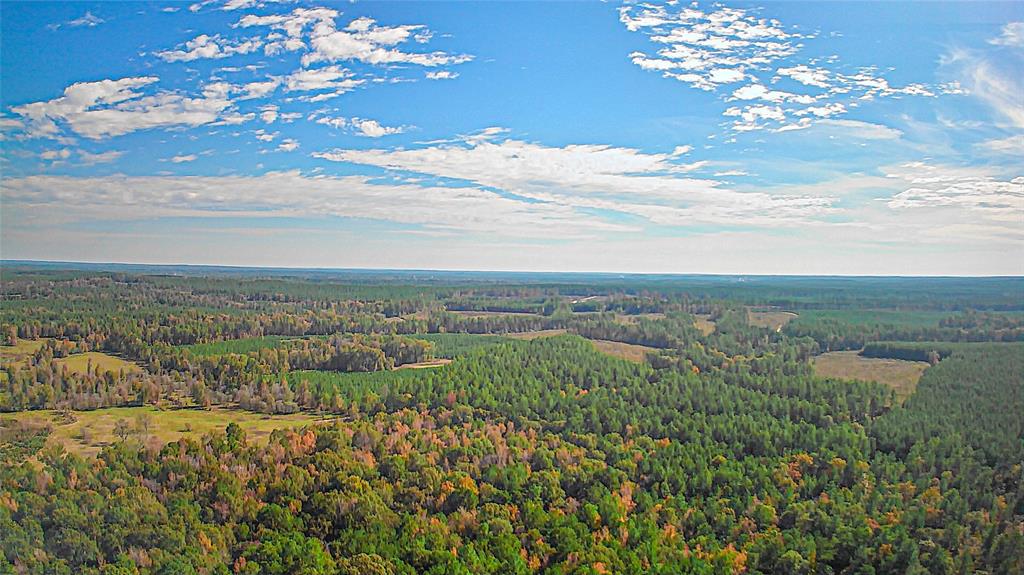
34,262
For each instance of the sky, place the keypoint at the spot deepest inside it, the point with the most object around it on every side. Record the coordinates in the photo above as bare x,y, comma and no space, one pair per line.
860,138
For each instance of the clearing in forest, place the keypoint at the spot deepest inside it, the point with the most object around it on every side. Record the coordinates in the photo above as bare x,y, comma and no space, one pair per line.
20,351
770,319
704,324
87,432
634,318
899,374
80,363
627,351
425,364
479,313
535,334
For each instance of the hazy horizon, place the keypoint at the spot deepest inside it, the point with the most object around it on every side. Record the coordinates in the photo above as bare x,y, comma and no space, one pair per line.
737,138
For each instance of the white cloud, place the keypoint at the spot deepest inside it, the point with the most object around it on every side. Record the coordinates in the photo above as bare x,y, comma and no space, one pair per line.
1012,35
260,89
1013,145
87,20
972,188
205,46
818,77
183,158
465,209
999,88
288,145
625,180
61,154
362,40
442,75
269,113
335,78
373,129
709,49
114,107
100,158
862,130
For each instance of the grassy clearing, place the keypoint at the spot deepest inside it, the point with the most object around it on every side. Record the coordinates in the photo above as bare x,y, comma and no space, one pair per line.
20,352
528,335
92,430
80,363
898,374
478,313
704,324
628,351
770,319
425,364
634,318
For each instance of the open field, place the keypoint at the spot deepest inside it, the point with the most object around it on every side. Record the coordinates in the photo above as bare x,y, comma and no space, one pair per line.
635,318
425,364
164,426
771,319
80,363
628,351
535,334
704,324
477,313
898,374
19,352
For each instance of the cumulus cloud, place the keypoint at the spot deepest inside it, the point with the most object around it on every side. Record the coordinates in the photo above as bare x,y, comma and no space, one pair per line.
442,75
362,39
599,177
710,49
206,46
288,145
182,158
337,79
361,126
115,107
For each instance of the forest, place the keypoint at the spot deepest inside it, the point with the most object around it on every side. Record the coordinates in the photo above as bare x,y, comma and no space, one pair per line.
473,423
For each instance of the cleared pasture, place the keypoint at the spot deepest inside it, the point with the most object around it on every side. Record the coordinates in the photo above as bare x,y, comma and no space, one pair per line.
899,374
528,335
81,363
90,431
627,351
775,320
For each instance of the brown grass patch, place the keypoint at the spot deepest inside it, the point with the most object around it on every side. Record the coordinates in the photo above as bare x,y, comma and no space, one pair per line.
474,313
770,319
534,334
92,430
635,318
704,324
898,374
425,364
627,351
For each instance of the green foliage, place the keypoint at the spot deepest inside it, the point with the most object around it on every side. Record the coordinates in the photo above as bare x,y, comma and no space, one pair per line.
724,454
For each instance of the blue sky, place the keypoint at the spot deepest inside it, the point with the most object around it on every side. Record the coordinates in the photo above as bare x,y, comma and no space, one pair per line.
778,137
